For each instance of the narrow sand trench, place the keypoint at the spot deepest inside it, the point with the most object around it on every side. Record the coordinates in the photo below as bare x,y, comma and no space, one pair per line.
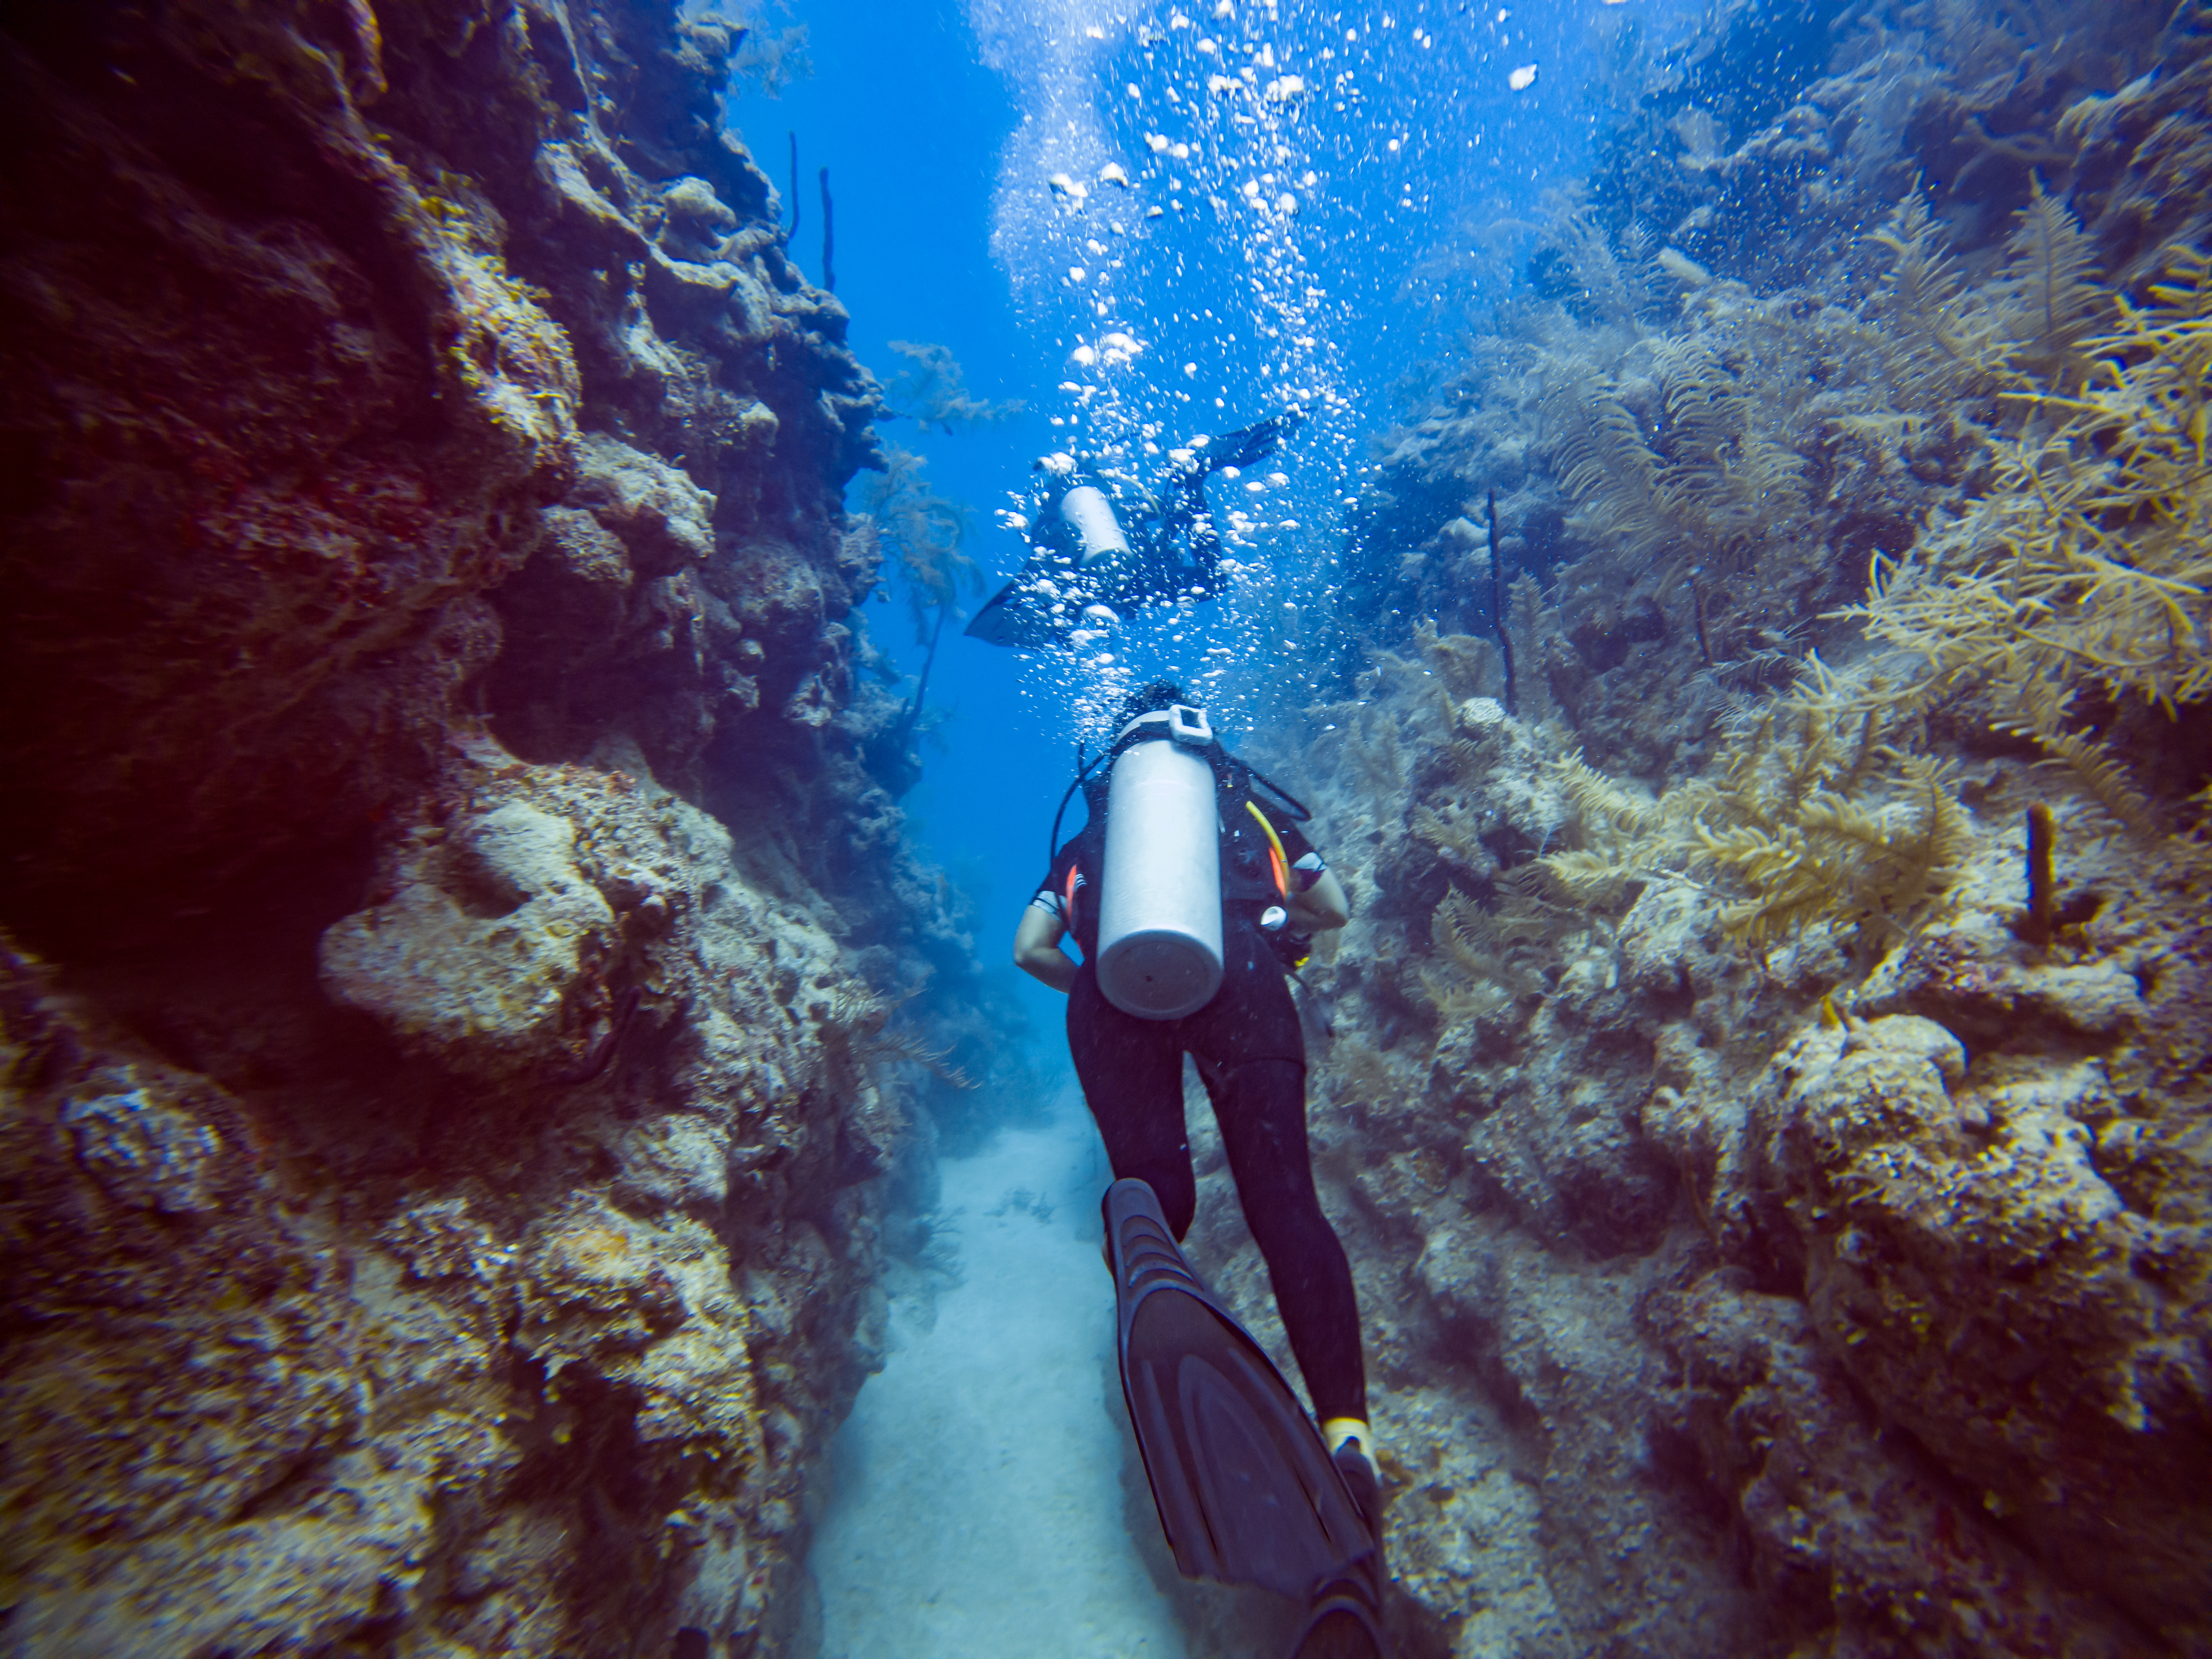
977,1507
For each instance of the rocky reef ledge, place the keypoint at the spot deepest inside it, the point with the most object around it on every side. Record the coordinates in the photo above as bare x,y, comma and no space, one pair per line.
450,1117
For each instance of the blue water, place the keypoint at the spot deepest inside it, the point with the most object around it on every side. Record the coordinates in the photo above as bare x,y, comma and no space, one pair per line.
1272,246
1417,172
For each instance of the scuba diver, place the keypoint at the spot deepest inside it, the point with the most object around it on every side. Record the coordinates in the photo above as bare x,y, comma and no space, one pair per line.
1083,558
1191,892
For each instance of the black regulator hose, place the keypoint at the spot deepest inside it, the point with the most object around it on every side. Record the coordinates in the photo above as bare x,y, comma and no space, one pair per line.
1082,773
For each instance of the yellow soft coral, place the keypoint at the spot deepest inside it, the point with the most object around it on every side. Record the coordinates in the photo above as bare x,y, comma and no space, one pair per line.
2091,563
1809,818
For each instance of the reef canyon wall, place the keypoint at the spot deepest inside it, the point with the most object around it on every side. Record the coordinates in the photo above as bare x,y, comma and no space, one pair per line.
451,1091
1764,1088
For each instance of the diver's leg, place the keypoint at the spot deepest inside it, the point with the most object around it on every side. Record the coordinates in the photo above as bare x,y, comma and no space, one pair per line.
1261,1109
1255,442
1254,1059
1189,548
1202,553
1186,524
1131,1071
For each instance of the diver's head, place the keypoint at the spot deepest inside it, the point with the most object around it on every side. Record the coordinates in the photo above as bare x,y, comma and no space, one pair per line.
1148,700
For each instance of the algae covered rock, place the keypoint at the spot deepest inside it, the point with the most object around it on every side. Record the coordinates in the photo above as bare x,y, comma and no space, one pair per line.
144,1151
1990,1291
484,953
1843,1533
439,1202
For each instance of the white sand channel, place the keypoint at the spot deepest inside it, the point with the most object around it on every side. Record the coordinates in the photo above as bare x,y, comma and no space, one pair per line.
977,1507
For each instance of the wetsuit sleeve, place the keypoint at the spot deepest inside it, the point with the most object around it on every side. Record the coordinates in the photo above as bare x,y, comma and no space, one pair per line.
1053,893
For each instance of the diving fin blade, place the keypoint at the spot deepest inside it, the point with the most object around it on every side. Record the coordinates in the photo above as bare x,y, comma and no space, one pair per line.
1245,1487
1339,1627
1012,618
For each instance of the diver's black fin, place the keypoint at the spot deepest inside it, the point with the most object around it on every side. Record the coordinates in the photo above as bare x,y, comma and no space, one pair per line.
1340,1627
1239,448
1013,616
1344,1618
1246,1489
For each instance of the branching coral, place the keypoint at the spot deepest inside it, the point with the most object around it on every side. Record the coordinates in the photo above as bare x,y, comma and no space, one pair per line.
1486,961
1463,981
2039,712
1679,450
923,531
1382,767
1827,857
1601,455
1696,442
856,1032
1947,339
1725,473
933,389
1614,285
1718,478
774,57
2050,294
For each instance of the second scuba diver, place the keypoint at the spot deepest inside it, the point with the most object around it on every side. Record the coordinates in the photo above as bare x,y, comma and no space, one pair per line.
1191,897
1096,542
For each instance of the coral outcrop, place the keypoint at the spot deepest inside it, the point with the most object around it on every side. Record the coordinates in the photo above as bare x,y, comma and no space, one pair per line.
453,1095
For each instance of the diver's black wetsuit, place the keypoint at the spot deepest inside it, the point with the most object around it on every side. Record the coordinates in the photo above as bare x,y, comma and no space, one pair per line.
1185,552
1251,1054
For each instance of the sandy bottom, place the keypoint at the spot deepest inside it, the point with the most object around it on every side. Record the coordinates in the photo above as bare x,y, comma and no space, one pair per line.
976,1508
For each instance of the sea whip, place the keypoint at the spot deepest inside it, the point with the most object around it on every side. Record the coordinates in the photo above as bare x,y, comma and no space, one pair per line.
912,716
792,230
1497,604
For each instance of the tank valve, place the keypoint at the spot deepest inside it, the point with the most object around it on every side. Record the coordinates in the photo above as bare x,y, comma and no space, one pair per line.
1273,917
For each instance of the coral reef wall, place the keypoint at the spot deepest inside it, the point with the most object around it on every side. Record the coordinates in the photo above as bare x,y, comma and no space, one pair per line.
452,1102
1764,1087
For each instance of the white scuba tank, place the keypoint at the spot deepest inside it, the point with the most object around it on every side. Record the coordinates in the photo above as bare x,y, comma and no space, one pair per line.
1159,908
1090,516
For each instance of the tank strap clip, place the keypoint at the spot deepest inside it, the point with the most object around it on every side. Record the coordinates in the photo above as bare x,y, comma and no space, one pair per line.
1190,725
1186,725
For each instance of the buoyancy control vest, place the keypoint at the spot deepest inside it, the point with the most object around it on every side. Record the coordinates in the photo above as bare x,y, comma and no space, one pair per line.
1183,846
